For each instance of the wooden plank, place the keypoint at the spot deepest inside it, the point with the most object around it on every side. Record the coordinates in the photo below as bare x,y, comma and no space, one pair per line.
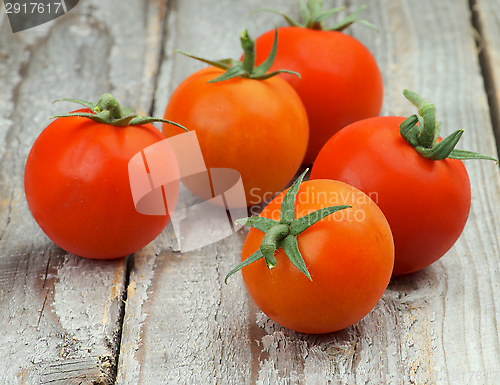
437,57
60,314
183,326
449,327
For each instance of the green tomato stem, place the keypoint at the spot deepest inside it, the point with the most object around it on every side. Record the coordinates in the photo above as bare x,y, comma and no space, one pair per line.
424,138
109,106
271,238
314,7
109,111
245,68
248,45
283,233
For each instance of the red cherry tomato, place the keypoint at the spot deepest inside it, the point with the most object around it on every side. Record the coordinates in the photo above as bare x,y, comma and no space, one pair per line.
349,255
426,201
78,189
257,127
340,81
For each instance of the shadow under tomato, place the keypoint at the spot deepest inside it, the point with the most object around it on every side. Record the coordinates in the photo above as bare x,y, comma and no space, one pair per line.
424,284
407,292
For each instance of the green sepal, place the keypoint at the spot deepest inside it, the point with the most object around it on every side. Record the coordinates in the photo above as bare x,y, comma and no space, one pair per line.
251,259
438,131
274,73
139,120
350,19
441,150
223,64
246,67
122,122
326,14
409,123
109,111
261,69
313,16
304,11
284,233
366,23
78,101
287,213
409,130
229,62
303,223
260,223
291,248
231,73
424,136
467,155
288,19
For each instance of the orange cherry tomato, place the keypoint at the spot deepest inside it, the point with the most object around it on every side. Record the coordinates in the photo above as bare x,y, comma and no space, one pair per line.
340,80
257,127
349,255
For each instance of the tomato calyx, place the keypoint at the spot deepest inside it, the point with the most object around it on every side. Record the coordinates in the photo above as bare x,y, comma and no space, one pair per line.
283,233
108,111
246,67
423,137
313,16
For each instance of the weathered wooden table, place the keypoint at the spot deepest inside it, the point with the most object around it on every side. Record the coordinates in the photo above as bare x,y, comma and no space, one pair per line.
164,317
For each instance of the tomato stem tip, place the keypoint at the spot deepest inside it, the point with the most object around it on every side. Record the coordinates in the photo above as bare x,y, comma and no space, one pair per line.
422,133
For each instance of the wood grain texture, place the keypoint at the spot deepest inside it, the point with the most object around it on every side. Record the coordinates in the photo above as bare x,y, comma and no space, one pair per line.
454,329
435,326
61,314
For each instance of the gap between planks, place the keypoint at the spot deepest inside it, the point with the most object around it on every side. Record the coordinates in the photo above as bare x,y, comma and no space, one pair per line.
485,65
130,258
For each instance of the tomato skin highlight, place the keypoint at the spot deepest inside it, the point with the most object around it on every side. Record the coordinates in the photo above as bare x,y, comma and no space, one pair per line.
340,80
349,254
426,202
257,127
78,189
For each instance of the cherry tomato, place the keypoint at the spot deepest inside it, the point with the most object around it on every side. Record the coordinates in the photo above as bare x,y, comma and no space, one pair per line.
257,127
340,81
78,189
349,255
426,201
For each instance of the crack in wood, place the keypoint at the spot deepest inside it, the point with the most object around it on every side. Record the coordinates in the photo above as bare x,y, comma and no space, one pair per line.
121,318
6,203
43,308
161,54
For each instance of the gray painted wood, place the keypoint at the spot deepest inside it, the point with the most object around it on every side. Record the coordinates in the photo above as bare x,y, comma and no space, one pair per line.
62,315
435,325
